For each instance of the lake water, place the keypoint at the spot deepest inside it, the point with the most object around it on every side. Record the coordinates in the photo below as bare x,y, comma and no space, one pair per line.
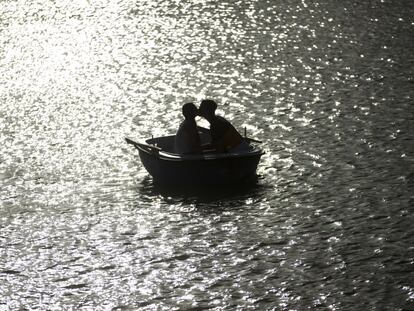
328,86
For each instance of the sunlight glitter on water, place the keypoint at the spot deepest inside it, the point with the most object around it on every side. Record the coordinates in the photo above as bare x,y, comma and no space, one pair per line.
82,225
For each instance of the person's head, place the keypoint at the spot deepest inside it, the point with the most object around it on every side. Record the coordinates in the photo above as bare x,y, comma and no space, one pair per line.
207,108
190,111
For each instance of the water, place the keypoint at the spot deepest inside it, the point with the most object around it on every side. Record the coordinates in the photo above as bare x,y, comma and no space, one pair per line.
328,86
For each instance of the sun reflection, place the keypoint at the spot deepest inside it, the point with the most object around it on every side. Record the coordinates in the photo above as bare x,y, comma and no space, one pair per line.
84,226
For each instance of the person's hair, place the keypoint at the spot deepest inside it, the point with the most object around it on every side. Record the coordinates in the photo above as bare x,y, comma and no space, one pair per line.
189,110
208,105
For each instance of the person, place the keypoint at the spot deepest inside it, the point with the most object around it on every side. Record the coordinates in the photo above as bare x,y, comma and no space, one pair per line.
187,139
224,137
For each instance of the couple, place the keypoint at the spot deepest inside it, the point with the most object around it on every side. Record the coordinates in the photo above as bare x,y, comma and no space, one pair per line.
224,137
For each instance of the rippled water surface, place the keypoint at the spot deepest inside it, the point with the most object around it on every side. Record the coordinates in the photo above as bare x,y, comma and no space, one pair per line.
328,86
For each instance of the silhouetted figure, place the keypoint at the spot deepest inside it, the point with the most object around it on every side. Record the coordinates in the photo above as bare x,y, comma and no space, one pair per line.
224,137
187,140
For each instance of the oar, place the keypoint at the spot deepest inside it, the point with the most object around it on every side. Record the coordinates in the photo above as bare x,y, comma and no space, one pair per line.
250,139
146,147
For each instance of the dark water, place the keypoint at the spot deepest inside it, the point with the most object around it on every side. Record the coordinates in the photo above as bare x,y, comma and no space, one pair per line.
327,85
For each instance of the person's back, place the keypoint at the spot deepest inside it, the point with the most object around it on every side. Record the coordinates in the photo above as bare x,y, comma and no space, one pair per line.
224,134
187,140
224,137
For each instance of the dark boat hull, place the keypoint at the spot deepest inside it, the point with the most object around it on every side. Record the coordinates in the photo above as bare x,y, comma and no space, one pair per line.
209,169
222,171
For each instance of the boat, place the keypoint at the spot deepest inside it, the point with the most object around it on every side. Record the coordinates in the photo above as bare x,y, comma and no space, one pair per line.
207,169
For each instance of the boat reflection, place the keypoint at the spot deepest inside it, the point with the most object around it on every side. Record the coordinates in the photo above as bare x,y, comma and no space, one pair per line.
231,196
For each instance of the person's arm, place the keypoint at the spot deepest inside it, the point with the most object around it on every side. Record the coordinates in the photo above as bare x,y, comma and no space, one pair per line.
230,139
203,130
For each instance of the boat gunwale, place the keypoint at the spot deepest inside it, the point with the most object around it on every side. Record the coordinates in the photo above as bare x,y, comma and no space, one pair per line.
160,154
168,156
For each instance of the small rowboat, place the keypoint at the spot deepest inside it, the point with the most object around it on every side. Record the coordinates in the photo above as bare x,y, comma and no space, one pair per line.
207,169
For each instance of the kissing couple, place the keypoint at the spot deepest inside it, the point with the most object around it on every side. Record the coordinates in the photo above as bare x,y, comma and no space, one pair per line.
224,137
